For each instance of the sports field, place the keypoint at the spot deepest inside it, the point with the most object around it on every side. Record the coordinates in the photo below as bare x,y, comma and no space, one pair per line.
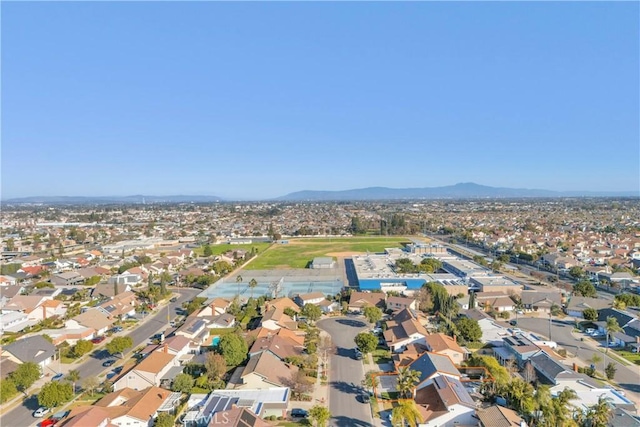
299,252
225,247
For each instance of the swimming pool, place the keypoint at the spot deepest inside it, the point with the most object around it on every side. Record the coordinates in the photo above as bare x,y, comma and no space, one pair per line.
215,341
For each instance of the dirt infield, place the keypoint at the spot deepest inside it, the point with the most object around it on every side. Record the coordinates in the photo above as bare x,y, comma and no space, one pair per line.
344,254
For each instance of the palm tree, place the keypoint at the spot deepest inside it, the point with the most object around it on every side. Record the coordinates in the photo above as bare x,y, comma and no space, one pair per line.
238,281
600,413
611,328
407,380
406,413
560,405
73,376
252,284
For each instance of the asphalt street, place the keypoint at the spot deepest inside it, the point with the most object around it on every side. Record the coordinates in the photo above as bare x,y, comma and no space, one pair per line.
346,374
628,377
22,415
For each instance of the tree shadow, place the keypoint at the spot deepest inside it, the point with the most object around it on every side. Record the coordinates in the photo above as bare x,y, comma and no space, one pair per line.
345,387
352,323
343,421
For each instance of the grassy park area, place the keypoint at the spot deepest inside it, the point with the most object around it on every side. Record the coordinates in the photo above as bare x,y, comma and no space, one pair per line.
299,252
226,247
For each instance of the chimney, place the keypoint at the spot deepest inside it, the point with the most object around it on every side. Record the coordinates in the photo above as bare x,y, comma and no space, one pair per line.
166,348
44,312
455,338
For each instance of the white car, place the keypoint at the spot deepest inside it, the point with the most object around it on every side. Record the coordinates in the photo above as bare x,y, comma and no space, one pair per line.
41,412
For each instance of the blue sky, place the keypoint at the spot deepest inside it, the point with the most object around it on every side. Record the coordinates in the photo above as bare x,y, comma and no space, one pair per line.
256,100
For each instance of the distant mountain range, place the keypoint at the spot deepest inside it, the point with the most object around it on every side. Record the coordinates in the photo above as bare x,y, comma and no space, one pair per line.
467,190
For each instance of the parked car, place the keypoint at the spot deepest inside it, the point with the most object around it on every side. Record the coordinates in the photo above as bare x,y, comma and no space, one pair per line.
98,340
365,398
174,299
57,377
589,331
108,363
41,412
358,354
299,413
116,329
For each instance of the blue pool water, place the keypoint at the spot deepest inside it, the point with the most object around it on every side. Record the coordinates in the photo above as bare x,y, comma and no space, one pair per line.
215,341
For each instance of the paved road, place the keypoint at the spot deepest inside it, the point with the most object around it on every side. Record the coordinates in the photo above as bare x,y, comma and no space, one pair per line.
346,374
628,377
21,416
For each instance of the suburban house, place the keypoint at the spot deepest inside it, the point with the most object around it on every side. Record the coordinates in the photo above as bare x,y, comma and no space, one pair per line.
310,298
280,346
577,305
35,307
282,304
69,278
518,348
400,303
221,321
275,319
630,324
128,407
445,402
540,301
446,346
195,329
126,278
94,319
210,409
264,370
404,329
328,306
120,306
359,300
34,349
214,307
149,372
499,416
496,301
110,290
432,365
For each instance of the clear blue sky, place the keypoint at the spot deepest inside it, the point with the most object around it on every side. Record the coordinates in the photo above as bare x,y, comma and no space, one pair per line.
251,100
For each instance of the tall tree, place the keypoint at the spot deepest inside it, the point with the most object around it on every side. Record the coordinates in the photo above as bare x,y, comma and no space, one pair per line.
216,365
373,314
600,413
73,376
320,415
238,282
233,348
54,394
406,413
91,384
312,312
119,345
252,284
366,342
406,381
25,375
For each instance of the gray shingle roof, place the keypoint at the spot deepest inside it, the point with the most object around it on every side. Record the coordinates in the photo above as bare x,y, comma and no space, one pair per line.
430,363
33,349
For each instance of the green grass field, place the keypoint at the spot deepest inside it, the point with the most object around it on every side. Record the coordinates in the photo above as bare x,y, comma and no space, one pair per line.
224,247
299,252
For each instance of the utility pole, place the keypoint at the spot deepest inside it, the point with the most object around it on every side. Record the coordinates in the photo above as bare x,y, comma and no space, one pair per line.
549,324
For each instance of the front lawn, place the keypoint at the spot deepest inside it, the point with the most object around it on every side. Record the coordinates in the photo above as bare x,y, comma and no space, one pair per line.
381,355
631,357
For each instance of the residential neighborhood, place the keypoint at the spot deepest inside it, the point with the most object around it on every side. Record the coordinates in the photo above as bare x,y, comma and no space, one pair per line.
174,316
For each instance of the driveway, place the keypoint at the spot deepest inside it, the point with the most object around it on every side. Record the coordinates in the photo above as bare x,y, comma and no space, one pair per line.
21,416
628,377
346,374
